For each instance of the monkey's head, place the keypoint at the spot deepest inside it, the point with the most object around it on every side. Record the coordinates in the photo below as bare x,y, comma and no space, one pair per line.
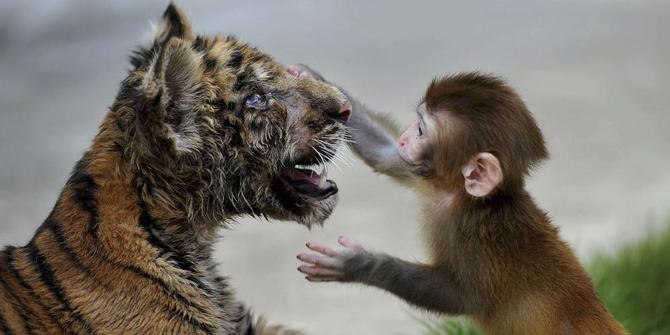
473,134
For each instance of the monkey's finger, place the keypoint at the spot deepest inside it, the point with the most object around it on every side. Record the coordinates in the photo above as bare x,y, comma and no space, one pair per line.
322,261
316,271
348,242
322,249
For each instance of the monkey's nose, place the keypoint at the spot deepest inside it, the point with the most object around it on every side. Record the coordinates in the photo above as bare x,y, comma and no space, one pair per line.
343,114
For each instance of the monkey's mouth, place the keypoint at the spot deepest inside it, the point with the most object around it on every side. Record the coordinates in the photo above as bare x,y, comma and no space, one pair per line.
309,183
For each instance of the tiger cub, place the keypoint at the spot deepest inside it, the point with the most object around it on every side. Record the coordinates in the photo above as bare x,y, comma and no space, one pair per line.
204,129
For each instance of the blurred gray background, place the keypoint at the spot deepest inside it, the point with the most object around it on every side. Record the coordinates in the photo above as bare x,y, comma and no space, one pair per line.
595,73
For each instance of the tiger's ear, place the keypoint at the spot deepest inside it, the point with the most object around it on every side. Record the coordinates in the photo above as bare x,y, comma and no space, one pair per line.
173,87
173,23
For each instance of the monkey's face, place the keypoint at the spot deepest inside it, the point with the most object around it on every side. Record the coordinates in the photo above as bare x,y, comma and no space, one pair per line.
415,145
412,142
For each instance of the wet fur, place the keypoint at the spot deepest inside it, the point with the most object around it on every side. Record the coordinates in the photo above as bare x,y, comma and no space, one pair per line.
127,248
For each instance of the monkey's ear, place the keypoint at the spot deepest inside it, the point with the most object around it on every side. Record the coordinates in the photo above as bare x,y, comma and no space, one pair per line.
482,174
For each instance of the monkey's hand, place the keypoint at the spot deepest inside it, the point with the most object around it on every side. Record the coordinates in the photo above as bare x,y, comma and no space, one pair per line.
422,285
373,135
334,264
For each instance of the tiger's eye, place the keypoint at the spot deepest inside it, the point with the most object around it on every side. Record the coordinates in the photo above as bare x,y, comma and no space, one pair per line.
256,101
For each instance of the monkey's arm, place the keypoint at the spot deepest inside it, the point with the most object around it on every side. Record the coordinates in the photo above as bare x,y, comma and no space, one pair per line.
373,134
374,137
418,284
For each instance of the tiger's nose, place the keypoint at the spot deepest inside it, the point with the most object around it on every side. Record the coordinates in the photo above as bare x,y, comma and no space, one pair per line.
343,114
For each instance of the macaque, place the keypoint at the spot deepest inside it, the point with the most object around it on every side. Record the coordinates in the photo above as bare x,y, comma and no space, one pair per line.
494,255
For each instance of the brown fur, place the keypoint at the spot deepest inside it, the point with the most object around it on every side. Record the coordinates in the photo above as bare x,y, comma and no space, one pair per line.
484,115
127,248
498,258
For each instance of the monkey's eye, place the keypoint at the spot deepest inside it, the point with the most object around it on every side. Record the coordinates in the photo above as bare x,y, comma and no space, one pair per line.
256,101
420,131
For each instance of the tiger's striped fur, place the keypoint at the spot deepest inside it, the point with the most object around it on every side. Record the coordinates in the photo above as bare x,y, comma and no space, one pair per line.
127,249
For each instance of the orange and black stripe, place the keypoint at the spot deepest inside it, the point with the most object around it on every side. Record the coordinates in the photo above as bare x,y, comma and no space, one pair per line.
84,188
49,279
3,326
37,305
19,308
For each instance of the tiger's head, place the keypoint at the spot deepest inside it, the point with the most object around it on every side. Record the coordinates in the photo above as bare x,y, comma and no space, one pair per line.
215,128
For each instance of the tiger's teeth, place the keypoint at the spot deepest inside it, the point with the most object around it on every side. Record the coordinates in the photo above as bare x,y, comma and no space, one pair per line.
322,177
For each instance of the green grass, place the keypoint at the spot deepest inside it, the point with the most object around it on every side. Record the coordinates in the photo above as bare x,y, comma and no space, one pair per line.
634,283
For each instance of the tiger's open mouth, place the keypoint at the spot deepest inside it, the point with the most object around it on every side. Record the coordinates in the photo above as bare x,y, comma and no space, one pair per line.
308,183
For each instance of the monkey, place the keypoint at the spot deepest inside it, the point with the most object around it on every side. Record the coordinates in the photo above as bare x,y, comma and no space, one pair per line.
494,255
